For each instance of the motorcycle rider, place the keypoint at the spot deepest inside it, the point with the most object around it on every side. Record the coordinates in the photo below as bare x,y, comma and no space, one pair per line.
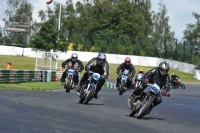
157,75
140,72
75,64
174,78
99,65
129,66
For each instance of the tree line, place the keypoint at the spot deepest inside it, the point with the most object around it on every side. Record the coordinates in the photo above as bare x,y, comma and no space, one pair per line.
112,26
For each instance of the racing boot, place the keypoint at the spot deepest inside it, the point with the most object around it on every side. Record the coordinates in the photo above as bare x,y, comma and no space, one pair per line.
62,82
96,95
78,89
117,84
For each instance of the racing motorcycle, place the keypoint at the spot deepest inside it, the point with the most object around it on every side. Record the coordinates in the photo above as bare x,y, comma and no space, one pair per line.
69,81
143,104
88,89
138,79
177,84
122,84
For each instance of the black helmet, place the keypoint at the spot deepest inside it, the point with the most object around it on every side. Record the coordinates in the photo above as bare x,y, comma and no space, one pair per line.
101,58
74,57
163,68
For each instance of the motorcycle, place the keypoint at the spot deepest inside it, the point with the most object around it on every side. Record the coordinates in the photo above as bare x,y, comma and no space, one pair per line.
69,81
143,104
177,84
122,85
138,80
88,88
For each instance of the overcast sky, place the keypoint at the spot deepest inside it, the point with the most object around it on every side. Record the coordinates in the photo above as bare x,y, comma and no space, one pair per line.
179,12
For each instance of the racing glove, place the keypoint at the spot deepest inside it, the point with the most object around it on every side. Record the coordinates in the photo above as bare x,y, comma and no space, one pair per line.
164,93
146,80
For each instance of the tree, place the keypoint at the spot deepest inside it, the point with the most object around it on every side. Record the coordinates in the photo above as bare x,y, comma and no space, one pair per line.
19,11
192,36
162,36
46,38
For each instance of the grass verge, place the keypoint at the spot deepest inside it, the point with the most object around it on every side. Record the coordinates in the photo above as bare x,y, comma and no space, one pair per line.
33,86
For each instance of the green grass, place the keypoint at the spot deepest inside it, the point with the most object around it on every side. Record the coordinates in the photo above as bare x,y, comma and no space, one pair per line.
33,86
27,63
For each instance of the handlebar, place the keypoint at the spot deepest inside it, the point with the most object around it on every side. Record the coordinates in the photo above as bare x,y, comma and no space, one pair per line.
91,72
168,95
63,69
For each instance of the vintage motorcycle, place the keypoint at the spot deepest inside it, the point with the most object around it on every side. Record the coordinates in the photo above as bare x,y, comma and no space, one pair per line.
69,81
177,84
88,89
122,84
143,104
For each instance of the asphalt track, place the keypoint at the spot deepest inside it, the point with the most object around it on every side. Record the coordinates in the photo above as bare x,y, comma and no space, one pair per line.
60,112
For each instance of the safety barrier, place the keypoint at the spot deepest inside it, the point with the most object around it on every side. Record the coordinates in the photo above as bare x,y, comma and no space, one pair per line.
110,85
19,76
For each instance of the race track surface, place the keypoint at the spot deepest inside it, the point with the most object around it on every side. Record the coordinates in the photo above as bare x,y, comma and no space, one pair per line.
60,112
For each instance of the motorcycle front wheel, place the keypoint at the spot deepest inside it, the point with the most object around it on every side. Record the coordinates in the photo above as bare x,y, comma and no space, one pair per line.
121,88
88,97
145,107
67,87
183,86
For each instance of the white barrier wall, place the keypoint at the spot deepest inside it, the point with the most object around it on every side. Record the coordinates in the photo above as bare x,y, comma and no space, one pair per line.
111,58
197,74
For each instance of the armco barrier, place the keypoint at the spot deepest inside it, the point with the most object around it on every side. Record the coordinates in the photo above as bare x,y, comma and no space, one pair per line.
19,76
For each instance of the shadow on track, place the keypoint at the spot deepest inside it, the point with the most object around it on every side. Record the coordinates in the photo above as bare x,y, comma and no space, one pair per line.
147,118
91,104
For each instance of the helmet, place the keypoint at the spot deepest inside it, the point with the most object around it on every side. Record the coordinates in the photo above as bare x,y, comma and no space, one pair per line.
141,71
163,68
101,58
74,57
127,61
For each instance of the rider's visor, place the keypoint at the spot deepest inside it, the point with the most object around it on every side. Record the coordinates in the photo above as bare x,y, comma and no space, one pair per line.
164,71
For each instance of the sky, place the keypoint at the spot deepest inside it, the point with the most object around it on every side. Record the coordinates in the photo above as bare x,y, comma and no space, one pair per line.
179,12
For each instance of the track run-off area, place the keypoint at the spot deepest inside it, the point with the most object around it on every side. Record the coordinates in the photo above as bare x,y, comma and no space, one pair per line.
60,112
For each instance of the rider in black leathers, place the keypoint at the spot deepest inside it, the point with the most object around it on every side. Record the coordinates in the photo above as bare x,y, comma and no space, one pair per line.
173,79
99,65
157,75
72,63
129,66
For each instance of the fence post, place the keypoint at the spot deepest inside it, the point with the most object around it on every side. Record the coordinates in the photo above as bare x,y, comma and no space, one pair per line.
107,84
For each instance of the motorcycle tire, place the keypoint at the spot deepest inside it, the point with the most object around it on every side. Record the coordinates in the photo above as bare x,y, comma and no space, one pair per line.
88,96
145,107
81,100
67,87
183,86
121,89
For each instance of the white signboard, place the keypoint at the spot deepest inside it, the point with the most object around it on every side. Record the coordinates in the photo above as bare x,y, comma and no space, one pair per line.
2,24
